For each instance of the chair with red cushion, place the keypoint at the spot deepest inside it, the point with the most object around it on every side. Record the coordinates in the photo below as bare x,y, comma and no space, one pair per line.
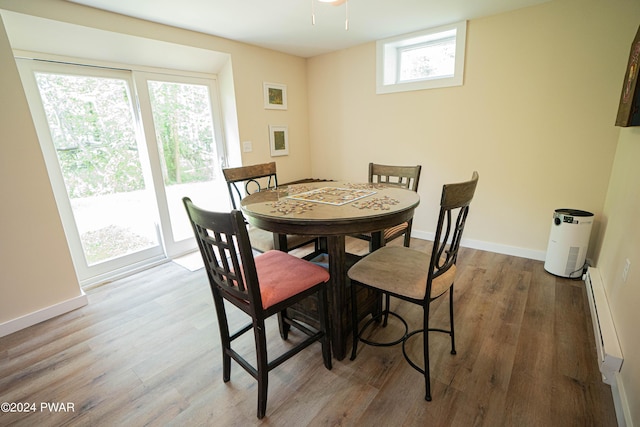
260,286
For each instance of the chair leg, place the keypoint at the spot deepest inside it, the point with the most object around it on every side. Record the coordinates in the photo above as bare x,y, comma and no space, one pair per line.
387,301
425,341
263,370
453,337
225,339
324,326
283,325
407,238
354,320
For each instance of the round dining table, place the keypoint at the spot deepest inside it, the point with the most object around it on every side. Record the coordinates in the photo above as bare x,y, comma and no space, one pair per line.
332,210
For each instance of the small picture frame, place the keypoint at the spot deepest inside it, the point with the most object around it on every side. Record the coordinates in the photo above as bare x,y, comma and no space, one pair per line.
275,96
279,140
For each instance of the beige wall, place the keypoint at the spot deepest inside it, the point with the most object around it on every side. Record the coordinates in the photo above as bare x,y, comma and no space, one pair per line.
251,69
621,241
535,117
35,267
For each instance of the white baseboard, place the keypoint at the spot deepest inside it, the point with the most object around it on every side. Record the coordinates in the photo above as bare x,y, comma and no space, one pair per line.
490,247
623,412
47,313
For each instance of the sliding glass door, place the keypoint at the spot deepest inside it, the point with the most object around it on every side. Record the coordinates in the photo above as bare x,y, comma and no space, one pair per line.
121,155
186,157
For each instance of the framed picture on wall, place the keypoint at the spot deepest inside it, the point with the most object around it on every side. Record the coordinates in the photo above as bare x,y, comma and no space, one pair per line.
629,108
275,96
279,140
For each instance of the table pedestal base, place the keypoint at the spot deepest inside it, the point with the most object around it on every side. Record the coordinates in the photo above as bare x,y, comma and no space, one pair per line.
369,302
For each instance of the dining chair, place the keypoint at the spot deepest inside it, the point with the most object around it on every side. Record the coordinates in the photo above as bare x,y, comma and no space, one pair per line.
400,176
260,286
246,180
415,276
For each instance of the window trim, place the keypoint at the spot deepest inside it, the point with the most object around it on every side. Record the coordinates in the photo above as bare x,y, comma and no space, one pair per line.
387,59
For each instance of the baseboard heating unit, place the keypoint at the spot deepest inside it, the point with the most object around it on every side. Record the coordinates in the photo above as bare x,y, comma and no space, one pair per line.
607,345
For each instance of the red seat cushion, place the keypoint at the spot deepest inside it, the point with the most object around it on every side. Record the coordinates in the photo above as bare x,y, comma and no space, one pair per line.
282,275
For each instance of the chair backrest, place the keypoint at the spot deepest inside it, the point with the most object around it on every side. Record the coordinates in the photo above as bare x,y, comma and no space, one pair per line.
454,208
402,176
224,245
245,180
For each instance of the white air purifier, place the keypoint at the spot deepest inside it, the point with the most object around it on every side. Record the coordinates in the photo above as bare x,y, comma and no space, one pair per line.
568,242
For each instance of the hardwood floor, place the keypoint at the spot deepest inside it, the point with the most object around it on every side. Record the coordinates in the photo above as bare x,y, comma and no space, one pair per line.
145,351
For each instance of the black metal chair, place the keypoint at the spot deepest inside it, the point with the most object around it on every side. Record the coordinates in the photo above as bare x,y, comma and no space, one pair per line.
246,180
260,287
415,276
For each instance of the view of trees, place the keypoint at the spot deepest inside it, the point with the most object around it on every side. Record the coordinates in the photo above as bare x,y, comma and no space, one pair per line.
182,117
93,130
428,60
92,127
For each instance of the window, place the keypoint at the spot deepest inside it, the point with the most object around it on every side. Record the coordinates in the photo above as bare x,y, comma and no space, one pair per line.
122,147
421,60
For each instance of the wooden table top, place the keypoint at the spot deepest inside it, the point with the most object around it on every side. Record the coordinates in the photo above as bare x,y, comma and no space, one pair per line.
341,208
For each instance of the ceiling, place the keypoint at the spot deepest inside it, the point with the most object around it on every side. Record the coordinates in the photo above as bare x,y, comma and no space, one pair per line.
286,25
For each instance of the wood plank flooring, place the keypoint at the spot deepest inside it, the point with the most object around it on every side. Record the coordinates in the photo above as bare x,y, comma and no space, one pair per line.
146,351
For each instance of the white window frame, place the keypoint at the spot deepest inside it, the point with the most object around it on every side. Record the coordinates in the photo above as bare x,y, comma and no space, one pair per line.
88,275
388,59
